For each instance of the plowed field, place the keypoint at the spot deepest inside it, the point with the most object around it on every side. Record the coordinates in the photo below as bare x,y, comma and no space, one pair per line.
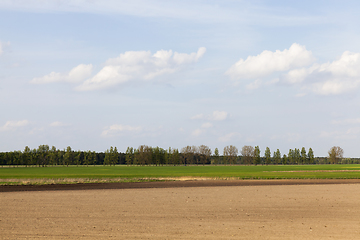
276,211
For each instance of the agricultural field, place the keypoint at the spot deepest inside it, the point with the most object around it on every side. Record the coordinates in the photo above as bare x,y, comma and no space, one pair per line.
238,212
74,174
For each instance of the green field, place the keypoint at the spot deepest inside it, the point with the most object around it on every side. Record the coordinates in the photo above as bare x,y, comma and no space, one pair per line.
146,173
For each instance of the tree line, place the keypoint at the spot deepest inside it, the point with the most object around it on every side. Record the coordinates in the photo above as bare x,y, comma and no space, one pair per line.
189,155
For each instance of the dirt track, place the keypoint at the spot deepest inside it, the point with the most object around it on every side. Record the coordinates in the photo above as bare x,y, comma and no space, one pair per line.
320,211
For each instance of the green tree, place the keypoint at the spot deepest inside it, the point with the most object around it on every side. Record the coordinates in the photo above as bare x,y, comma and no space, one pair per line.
277,157
187,154
267,156
336,153
216,156
77,157
135,157
284,159
61,154
230,154
175,158
168,156
53,156
26,156
257,158
247,154
296,156
115,156
68,156
107,158
144,155
93,159
290,157
43,155
158,155
34,157
205,153
17,158
303,156
87,156
311,156
129,155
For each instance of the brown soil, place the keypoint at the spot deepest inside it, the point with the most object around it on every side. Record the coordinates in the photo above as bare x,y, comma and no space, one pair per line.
256,209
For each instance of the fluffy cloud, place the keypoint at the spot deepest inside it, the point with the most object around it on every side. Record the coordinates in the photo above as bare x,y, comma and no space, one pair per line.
296,66
12,125
118,129
77,74
337,77
269,62
139,65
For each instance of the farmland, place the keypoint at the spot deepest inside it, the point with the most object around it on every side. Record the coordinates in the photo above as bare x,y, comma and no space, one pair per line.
16,175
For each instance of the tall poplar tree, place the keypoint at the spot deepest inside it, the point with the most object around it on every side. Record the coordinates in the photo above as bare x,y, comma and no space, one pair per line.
277,157
303,156
311,156
216,156
257,158
267,156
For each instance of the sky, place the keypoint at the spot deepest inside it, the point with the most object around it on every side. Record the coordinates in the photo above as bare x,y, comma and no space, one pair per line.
92,74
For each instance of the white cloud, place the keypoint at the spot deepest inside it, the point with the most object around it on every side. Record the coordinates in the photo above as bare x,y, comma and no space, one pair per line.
118,129
269,62
219,115
337,77
331,78
139,65
215,116
58,124
12,125
77,74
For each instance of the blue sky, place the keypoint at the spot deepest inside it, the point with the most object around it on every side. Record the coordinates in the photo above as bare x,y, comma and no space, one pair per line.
95,74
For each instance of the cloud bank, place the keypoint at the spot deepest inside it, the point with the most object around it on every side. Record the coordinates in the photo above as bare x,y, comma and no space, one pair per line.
129,66
139,65
332,78
268,62
295,66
